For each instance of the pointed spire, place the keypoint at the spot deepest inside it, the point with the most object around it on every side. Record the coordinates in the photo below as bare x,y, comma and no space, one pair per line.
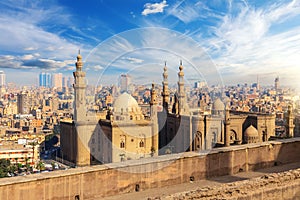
79,63
180,67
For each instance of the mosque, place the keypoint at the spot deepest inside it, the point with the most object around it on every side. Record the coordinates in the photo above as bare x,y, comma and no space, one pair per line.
127,134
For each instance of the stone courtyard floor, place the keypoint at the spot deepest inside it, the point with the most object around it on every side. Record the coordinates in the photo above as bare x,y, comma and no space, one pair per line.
165,192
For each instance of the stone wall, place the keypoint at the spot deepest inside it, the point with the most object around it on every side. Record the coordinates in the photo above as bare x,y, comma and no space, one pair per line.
115,178
285,185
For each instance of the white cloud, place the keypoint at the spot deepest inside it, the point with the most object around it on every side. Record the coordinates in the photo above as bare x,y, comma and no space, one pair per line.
245,46
154,8
27,57
97,67
186,11
30,48
133,60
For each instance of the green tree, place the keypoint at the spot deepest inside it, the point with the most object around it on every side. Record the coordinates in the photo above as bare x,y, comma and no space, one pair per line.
40,166
4,167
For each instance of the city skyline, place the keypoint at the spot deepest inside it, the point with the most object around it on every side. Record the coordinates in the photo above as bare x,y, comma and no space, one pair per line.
242,38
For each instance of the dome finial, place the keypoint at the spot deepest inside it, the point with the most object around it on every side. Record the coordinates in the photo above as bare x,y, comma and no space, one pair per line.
180,67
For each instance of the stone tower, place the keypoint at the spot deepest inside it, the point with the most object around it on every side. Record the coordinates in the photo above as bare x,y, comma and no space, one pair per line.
83,127
181,92
290,122
227,127
154,120
165,92
79,91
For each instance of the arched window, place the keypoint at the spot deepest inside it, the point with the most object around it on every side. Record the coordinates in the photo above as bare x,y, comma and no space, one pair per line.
122,144
142,144
122,141
198,141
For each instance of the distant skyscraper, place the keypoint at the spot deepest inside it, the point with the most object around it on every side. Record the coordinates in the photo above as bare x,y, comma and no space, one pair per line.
45,79
57,80
23,103
66,81
2,78
277,83
124,82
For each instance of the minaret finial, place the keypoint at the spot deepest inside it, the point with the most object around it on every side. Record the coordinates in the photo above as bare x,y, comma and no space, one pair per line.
180,62
165,63
79,51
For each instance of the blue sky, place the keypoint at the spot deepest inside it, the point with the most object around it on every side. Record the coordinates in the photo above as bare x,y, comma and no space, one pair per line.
233,40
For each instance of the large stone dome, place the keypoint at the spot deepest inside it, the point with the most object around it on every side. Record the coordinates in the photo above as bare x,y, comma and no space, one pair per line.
125,101
126,107
251,134
218,105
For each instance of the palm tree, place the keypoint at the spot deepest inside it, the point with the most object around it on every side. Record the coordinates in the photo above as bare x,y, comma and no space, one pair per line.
33,144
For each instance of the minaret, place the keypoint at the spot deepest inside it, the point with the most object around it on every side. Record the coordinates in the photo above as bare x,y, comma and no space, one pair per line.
165,92
154,120
181,92
227,127
290,122
79,91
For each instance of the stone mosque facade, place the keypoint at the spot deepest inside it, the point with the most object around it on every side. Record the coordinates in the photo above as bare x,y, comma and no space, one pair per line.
126,134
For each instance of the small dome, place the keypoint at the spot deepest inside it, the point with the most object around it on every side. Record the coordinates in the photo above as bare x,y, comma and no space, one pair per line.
251,132
218,105
125,101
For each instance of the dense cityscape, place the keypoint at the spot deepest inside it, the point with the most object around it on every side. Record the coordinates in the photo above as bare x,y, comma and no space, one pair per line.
31,117
149,99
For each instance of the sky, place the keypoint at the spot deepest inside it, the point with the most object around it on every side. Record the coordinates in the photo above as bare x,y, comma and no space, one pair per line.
218,41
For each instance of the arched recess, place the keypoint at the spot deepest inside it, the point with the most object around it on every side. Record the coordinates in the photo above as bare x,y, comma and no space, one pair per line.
198,141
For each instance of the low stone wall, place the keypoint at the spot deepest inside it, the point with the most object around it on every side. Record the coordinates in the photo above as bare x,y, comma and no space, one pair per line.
115,178
284,185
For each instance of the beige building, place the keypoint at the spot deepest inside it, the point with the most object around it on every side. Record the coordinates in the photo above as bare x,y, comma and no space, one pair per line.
19,153
124,134
181,130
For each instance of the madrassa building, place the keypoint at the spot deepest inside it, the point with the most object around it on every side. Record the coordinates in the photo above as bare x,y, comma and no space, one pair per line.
127,134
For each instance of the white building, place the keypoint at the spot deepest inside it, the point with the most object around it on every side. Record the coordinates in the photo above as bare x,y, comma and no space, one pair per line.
2,78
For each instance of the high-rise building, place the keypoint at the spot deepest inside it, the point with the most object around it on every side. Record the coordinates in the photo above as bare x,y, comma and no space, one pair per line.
276,83
23,103
57,80
67,81
45,79
2,78
124,82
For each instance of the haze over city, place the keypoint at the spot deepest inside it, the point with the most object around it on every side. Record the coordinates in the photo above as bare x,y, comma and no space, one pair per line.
243,38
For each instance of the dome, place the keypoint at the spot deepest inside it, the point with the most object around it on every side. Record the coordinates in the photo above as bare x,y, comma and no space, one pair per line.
218,105
125,102
251,132
126,108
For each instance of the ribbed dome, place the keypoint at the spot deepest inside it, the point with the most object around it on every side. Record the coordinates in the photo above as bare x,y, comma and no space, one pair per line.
218,105
251,132
125,102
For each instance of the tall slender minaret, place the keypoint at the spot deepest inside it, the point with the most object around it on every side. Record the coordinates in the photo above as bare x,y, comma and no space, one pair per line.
154,120
290,122
181,92
79,91
165,92
227,127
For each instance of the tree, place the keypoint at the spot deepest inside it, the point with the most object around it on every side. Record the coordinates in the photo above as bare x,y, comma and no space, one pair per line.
40,166
4,167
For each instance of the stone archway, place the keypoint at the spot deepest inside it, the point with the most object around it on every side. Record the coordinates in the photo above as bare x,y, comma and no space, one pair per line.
198,141
233,136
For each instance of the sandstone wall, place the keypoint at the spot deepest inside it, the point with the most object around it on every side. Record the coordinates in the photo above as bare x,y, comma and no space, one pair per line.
283,186
98,181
